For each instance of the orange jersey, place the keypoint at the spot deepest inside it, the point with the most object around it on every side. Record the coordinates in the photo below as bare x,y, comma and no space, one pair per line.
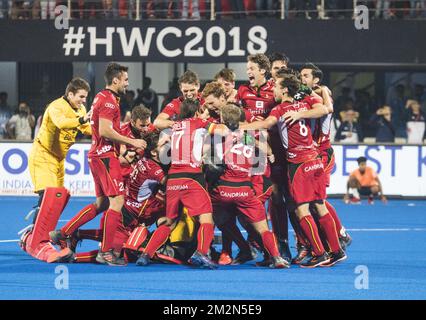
368,179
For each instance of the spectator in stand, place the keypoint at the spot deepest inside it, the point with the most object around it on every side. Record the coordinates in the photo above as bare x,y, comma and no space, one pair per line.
363,105
363,181
238,9
47,9
4,9
342,100
397,105
147,96
20,126
190,6
173,93
349,130
264,8
382,9
420,95
345,8
127,102
417,8
5,114
305,8
415,122
382,120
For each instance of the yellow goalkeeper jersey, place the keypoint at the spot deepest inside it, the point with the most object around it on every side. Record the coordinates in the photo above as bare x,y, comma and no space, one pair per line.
60,126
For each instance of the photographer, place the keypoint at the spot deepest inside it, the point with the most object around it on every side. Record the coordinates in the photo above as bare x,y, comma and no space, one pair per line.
382,120
349,130
20,125
415,122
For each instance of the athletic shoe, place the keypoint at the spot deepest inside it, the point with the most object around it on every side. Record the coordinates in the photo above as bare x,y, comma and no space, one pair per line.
355,200
202,261
302,252
63,256
284,250
345,240
335,257
224,259
110,258
143,259
279,263
267,260
316,261
370,200
243,257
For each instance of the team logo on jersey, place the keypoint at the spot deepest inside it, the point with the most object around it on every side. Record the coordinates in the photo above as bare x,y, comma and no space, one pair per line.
234,194
110,105
178,187
259,104
314,167
104,149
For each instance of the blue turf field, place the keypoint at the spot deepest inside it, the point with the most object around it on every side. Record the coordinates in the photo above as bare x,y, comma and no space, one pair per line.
390,240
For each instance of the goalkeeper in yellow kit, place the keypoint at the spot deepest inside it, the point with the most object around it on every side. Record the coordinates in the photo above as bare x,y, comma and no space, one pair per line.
62,120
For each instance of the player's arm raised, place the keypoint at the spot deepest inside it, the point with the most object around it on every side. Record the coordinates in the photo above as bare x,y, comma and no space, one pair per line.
268,123
163,121
106,131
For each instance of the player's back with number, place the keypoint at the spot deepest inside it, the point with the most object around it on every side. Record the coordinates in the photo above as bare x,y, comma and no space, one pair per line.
187,145
297,137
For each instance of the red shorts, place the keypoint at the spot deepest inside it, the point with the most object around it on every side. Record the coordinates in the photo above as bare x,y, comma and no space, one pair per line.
328,160
107,176
187,190
307,181
239,195
262,187
147,211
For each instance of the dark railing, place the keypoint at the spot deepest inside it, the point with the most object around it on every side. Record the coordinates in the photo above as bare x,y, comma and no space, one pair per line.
212,9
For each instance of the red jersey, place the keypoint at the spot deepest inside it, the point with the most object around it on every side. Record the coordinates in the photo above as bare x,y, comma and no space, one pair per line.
143,184
187,145
238,155
297,138
105,105
259,101
173,108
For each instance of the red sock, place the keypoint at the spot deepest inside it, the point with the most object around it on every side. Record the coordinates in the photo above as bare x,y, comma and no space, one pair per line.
329,227
300,238
310,229
270,243
157,240
333,213
91,234
85,215
86,257
112,222
205,237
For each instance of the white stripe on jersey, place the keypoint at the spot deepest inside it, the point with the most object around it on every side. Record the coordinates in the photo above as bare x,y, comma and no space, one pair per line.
197,151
